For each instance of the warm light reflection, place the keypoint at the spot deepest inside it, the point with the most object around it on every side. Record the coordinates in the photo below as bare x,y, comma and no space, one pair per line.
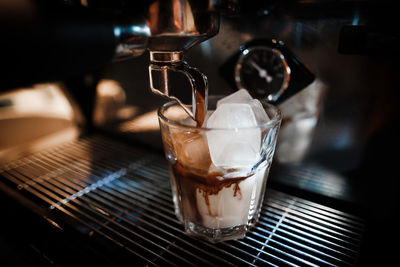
34,119
127,112
177,14
149,121
110,103
188,23
143,123
175,113
153,17
44,100
110,88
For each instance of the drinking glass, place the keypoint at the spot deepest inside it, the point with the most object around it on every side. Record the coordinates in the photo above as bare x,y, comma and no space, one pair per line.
217,201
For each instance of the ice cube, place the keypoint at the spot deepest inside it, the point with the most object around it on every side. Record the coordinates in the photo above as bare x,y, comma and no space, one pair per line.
208,114
233,148
232,115
191,149
259,111
241,96
238,154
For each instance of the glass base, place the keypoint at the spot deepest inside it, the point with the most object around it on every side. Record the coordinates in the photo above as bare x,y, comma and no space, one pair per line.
253,221
216,235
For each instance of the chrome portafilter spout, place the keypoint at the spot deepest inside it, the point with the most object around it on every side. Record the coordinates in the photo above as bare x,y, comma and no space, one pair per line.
167,28
170,76
176,26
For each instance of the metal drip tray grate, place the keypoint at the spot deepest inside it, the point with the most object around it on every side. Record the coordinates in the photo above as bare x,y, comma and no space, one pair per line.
120,197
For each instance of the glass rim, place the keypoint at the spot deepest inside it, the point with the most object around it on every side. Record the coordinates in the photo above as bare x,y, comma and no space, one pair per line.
269,124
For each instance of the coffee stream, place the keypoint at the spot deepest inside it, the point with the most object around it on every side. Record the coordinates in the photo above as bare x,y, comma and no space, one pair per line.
200,106
200,94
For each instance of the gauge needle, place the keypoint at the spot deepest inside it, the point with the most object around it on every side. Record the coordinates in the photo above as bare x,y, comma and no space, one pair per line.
261,72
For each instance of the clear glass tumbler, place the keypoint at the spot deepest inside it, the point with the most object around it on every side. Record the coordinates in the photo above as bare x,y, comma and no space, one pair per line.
217,201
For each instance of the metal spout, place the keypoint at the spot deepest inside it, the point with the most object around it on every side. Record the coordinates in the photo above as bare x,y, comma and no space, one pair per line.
171,76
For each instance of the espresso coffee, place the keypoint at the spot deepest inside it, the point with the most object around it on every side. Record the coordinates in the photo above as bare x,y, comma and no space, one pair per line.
200,93
201,106
190,183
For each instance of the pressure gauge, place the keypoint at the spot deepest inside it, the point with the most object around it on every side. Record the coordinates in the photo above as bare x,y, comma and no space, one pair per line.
267,69
263,71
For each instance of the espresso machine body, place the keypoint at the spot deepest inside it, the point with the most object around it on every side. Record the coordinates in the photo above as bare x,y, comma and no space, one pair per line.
76,102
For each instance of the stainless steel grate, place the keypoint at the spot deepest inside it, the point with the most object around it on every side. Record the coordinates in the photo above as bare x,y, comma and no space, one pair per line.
316,179
120,196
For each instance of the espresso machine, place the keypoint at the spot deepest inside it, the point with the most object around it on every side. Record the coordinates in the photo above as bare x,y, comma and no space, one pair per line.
82,175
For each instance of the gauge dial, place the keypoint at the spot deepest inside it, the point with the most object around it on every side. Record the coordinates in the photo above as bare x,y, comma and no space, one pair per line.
263,71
